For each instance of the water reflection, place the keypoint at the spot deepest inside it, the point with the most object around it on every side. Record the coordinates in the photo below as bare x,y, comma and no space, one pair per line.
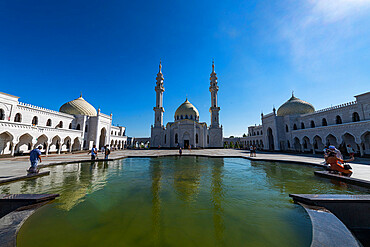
286,177
217,199
187,172
73,182
156,175
187,176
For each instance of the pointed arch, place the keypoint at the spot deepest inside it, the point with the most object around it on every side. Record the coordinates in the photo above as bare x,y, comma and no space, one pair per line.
6,142
24,144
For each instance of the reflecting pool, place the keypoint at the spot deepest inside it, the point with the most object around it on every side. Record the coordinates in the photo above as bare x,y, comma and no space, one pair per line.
173,201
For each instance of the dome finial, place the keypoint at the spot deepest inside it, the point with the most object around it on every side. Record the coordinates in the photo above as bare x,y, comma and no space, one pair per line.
213,65
292,93
160,65
80,94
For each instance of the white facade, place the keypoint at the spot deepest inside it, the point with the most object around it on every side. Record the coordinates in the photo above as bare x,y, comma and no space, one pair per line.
340,125
186,130
24,127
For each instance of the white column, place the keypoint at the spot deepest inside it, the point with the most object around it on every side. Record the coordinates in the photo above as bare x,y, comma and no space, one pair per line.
13,148
47,149
361,150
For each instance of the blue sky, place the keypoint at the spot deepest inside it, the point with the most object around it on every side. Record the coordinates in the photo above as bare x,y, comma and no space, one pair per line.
50,51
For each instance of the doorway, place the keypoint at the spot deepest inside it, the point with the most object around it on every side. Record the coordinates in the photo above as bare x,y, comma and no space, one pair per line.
186,144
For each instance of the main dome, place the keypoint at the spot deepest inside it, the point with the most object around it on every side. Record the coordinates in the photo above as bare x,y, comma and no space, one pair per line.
78,106
186,111
295,106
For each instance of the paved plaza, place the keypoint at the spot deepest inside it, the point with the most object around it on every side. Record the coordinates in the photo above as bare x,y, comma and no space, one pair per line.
16,166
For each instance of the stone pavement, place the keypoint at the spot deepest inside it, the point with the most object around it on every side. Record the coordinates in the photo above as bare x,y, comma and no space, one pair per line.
16,166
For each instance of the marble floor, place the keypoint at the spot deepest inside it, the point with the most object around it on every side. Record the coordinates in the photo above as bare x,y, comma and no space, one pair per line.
16,166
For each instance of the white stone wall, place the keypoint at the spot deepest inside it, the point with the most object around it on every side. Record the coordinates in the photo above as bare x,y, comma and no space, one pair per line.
66,132
306,133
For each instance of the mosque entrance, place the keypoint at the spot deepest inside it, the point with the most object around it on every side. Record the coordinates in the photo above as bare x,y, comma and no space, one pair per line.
186,143
102,138
270,138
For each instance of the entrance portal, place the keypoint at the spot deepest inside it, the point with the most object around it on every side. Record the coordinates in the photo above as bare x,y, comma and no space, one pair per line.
186,143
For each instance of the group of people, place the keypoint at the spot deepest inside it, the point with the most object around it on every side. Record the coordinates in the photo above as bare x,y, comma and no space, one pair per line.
35,157
104,150
334,160
252,151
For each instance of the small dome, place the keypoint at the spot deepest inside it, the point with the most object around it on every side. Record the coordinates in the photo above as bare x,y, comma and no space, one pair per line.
78,106
295,106
187,111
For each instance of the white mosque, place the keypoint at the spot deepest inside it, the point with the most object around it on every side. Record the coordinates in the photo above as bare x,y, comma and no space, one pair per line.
186,130
296,126
76,126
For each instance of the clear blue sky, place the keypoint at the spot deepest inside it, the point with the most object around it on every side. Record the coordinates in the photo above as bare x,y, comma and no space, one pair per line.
109,50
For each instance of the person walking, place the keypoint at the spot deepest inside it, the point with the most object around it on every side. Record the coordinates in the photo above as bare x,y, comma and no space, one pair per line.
106,152
180,151
350,150
94,152
35,158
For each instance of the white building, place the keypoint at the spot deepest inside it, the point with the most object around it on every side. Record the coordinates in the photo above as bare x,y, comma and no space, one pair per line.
76,126
186,130
296,126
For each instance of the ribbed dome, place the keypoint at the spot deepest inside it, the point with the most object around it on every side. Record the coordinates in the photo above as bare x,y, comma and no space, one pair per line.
186,111
295,106
78,106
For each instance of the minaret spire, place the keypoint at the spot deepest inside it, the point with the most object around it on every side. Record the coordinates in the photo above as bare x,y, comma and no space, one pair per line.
159,89
214,109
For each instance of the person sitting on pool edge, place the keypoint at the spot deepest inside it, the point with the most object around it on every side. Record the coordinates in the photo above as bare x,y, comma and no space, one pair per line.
336,164
35,158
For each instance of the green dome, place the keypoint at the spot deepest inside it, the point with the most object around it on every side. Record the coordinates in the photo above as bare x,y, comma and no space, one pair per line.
186,111
78,106
295,106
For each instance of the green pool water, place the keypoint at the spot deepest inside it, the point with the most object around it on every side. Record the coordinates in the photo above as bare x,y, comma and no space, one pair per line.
173,201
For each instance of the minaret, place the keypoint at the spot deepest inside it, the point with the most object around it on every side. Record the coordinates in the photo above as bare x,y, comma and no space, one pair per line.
158,109
214,109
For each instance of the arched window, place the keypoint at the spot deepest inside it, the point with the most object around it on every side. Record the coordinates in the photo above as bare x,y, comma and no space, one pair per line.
2,114
313,124
186,116
286,128
177,117
355,117
86,128
258,133
196,138
207,139
165,139
338,120
176,138
261,132
324,122
18,118
191,116
48,123
78,127
35,120
182,117
295,127
70,126
305,144
302,125
60,124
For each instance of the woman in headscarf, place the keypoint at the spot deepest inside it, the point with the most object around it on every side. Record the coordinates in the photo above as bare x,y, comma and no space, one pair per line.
336,163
